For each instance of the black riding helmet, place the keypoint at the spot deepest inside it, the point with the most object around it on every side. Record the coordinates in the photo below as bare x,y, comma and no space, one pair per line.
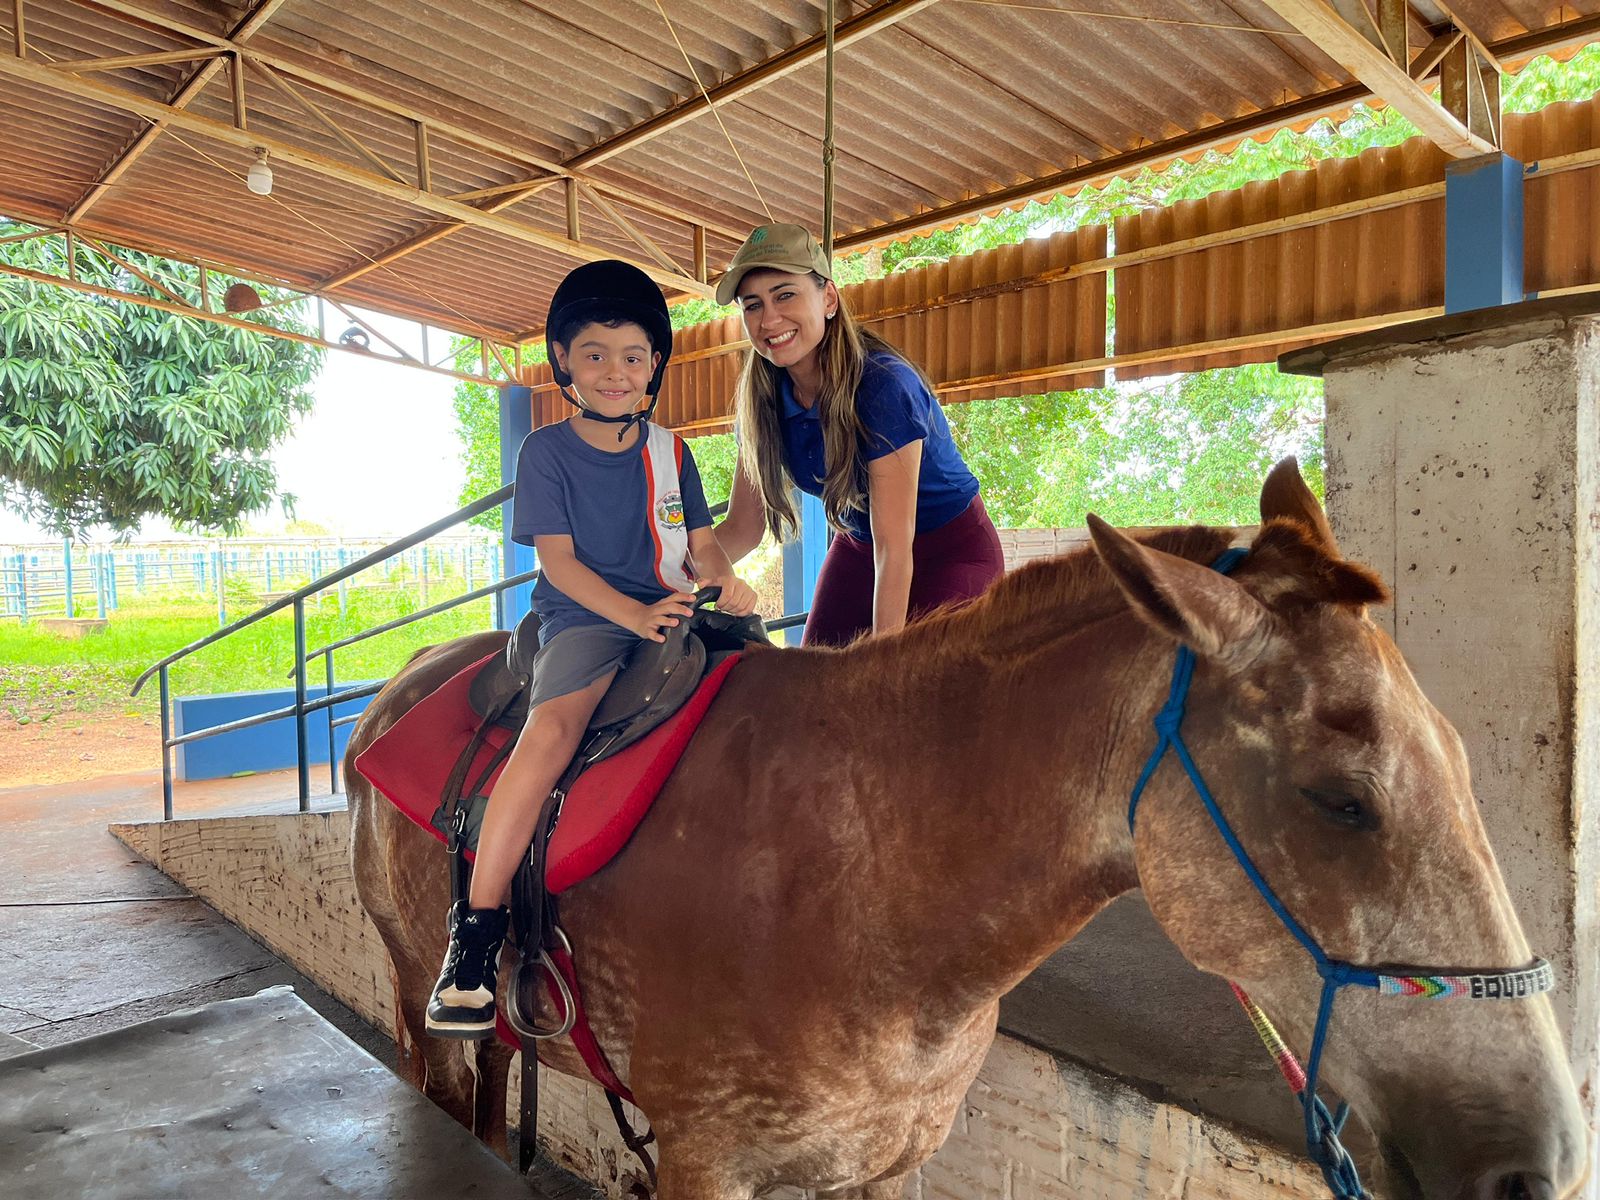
626,291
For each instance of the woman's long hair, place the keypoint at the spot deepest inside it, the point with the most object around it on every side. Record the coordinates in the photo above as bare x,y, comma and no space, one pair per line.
842,356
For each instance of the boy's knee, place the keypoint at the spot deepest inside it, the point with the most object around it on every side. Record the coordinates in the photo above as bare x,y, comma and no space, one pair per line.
553,726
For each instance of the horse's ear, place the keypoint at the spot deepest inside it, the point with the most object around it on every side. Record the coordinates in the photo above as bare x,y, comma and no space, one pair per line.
1201,608
1285,495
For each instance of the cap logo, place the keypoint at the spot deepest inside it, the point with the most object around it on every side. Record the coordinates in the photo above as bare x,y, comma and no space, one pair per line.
759,234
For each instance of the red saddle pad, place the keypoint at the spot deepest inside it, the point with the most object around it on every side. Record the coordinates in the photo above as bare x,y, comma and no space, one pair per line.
410,762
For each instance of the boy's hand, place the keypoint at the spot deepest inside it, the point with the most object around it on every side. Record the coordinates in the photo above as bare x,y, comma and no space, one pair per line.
738,598
665,613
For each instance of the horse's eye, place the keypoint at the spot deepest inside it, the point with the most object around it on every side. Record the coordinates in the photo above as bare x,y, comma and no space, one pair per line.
1342,809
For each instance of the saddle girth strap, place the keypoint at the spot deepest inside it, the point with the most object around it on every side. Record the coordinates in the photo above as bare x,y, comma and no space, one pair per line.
528,1117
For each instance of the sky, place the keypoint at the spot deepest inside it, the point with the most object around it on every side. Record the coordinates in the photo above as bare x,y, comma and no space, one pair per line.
377,455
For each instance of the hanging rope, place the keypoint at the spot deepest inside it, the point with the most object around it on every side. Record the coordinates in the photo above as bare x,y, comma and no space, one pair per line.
695,75
827,141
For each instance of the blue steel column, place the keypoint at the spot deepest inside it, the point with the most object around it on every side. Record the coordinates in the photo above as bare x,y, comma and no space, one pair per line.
516,422
802,559
1483,232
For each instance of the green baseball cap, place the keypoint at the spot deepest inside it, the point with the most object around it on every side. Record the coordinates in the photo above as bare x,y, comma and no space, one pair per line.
774,248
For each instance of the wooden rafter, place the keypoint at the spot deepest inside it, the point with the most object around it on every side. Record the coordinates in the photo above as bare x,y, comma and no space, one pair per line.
306,105
196,83
105,251
736,87
1482,47
122,61
863,24
201,314
310,160
1388,80
1224,133
494,144
628,228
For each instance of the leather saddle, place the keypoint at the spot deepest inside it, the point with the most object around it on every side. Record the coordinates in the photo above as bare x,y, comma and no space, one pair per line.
656,681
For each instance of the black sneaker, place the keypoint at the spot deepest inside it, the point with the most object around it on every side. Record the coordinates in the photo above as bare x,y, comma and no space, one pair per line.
462,1005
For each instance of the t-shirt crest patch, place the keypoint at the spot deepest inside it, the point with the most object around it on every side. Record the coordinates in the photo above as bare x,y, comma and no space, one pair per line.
669,510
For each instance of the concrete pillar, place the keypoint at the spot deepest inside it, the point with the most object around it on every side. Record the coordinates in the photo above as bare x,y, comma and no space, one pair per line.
1464,463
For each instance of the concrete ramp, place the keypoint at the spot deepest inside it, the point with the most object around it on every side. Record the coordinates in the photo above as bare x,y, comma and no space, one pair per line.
252,1097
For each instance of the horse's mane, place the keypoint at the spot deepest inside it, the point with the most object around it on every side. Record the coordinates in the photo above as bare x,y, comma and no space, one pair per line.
1044,600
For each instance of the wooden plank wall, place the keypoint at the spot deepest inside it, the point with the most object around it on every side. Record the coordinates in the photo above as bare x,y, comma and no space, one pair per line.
1033,1126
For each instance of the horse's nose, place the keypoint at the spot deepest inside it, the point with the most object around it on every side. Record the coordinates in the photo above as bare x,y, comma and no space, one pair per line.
1501,1184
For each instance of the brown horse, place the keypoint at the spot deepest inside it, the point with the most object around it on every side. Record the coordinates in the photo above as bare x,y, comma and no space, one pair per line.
796,964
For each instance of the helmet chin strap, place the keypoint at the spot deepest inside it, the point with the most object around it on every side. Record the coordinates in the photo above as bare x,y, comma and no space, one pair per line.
627,420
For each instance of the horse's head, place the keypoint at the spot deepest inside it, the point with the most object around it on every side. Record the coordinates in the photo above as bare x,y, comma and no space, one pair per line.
1351,793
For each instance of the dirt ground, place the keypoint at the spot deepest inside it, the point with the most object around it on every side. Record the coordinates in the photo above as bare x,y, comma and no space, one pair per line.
77,746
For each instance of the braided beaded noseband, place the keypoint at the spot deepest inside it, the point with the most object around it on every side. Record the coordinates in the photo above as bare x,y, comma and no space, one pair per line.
1322,1127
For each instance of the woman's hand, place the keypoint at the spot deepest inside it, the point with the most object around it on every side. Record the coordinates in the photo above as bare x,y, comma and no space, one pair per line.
654,620
738,598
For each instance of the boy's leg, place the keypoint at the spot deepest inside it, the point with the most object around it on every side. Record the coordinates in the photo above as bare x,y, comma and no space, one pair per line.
548,742
463,1000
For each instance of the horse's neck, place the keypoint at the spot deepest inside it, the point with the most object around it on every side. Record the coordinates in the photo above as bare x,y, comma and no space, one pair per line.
1020,799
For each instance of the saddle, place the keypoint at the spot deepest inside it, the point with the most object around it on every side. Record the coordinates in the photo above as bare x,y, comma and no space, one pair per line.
655,682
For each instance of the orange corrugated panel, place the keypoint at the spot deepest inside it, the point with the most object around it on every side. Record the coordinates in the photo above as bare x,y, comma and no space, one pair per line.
1354,267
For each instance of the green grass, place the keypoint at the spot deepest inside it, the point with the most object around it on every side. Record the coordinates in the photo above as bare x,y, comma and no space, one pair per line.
44,675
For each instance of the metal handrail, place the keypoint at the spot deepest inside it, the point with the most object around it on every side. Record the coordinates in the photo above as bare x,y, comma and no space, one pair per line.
278,714
431,610
303,706
299,595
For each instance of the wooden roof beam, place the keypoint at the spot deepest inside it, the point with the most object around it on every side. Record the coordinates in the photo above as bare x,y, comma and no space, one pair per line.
861,25
437,119
196,83
1523,46
367,181
1387,79
736,87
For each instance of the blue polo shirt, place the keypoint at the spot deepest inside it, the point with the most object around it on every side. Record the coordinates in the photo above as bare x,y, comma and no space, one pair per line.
897,409
602,500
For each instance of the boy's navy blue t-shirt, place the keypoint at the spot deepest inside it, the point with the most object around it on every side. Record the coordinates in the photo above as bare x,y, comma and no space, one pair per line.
603,502
897,409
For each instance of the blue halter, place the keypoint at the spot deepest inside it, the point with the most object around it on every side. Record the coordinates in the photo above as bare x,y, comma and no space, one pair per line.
1322,1127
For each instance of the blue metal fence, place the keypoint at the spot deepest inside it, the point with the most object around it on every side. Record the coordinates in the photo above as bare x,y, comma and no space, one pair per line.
67,580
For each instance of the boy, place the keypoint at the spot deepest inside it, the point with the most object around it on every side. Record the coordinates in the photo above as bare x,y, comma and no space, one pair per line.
614,506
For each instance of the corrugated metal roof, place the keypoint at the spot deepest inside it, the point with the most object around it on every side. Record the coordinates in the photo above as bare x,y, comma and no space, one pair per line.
945,104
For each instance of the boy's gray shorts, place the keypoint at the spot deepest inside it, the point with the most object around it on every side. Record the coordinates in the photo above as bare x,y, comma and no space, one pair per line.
576,657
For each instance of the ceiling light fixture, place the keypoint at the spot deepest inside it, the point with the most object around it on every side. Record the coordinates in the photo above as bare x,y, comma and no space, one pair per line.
259,177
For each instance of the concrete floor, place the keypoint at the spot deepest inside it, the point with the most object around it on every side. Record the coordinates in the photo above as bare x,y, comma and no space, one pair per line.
93,939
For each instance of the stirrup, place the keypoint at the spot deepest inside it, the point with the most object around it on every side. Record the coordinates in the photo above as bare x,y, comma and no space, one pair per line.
525,989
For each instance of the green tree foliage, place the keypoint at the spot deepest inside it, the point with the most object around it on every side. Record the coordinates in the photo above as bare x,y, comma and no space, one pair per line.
112,412
1191,448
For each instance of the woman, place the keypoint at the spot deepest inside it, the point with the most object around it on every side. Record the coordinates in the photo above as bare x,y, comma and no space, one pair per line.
827,407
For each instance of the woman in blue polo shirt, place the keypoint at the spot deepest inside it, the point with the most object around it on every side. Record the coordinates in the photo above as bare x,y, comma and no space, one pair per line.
827,407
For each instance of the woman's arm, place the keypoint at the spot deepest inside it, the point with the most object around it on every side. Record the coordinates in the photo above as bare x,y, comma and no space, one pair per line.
559,564
712,568
892,503
741,530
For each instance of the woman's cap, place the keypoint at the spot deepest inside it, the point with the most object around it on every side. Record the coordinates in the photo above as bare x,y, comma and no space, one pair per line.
774,248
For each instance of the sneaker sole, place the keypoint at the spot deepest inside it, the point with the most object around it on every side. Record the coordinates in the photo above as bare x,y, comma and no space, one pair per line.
467,1033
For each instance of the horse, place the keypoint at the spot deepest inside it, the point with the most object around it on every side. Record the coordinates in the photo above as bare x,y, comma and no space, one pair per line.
797,962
